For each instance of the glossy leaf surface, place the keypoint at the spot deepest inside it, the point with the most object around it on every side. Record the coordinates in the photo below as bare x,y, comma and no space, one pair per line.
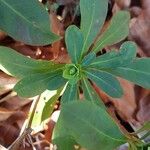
117,31
26,21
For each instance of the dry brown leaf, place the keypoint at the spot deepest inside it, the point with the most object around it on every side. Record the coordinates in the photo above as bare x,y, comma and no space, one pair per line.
143,113
5,114
57,28
126,105
122,4
140,31
2,35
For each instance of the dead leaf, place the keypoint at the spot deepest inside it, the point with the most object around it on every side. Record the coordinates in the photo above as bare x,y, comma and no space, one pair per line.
2,35
139,31
5,114
143,114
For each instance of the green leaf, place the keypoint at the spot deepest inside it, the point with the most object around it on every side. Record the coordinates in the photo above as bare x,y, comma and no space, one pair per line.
70,94
74,42
93,15
33,85
107,82
61,137
64,142
20,66
91,126
90,94
37,118
115,59
49,105
117,31
137,72
26,21
72,73
88,59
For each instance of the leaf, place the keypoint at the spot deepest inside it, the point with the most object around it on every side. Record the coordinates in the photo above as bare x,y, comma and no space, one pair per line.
74,42
33,85
87,60
20,66
93,15
71,72
70,94
90,94
114,59
65,142
26,21
61,137
49,105
117,31
107,82
37,118
91,126
137,72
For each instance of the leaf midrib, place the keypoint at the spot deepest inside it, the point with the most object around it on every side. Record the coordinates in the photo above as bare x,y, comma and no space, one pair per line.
94,128
87,35
104,61
131,69
71,90
103,80
43,79
91,97
20,15
101,43
28,66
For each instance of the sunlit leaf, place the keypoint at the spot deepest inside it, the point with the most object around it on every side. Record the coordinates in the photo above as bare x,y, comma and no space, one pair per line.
49,105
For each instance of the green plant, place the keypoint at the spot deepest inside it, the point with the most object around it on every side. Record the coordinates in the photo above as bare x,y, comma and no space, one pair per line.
85,123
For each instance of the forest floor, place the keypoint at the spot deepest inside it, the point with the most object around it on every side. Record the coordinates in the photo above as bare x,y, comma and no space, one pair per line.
132,110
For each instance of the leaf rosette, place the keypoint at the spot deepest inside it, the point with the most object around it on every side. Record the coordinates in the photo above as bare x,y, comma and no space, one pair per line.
72,72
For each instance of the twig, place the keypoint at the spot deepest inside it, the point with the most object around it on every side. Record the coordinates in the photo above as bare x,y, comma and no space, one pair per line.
27,131
15,145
